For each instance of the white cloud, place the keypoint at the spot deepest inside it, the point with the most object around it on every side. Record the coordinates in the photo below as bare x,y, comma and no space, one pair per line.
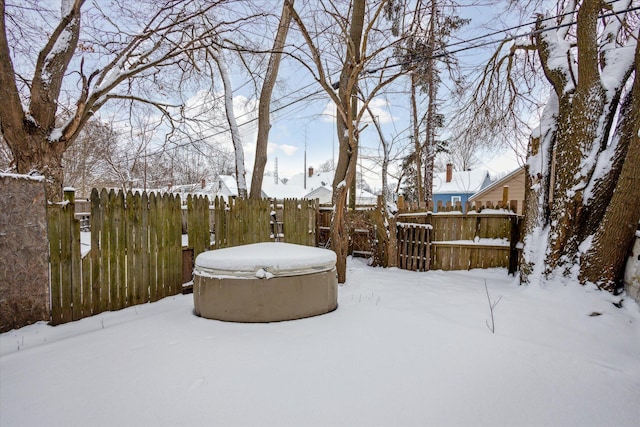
288,150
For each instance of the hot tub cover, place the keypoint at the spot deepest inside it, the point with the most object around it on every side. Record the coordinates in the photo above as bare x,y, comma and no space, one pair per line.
264,260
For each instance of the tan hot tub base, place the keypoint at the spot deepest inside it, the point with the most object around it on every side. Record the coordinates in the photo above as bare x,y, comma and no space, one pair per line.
265,300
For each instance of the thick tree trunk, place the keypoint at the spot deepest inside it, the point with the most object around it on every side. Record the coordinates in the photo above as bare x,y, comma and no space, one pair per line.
264,123
537,177
604,261
583,196
339,232
34,154
28,136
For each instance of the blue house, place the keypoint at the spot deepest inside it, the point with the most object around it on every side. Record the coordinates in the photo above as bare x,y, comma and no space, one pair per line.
456,187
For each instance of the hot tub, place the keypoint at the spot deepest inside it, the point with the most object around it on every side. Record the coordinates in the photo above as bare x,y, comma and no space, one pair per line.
265,282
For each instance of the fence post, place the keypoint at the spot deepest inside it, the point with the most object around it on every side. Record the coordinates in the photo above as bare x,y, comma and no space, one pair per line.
513,244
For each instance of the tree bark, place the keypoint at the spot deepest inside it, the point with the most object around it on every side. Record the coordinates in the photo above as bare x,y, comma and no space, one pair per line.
28,136
348,139
416,140
583,197
241,180
264,124
604,261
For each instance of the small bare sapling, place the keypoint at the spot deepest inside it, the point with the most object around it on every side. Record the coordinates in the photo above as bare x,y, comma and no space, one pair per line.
492,305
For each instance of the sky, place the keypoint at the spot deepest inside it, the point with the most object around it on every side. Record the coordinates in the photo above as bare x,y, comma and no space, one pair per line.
313,124
305,126
402,349
302,114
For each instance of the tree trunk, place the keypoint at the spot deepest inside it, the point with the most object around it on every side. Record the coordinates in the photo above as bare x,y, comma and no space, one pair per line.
233,126
264,124
429,150
583,197
348,140
416,140
28,136
34,155
604,261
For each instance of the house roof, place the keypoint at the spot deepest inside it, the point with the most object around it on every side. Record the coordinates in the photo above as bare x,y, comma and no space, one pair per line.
495,184
320,183
466,182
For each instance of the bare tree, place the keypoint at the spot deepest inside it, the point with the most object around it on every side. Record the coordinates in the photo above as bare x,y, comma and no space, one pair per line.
582,206
432,26
362,38
217,56
326,166
84,162
116,59
264,123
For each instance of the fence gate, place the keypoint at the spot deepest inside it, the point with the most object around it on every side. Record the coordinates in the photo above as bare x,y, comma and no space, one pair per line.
414,246
455,241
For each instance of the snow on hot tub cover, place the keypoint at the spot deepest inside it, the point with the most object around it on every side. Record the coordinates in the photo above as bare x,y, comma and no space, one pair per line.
264,260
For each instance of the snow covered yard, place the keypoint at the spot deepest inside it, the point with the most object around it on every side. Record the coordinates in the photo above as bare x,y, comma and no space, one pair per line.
402,349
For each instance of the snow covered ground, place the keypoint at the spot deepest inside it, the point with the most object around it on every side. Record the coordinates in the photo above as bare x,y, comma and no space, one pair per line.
402,349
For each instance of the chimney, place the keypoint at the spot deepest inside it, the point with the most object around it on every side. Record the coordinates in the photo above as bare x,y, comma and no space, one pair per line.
449,172
310,172
202,183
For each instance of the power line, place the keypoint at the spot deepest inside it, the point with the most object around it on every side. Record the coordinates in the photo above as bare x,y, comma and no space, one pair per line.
444,53
421,58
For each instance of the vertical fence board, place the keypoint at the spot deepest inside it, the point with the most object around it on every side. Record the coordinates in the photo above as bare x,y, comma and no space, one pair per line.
130,236
176,255
105,241
53,216
138,250
87,291
76,263
66,270
153,248
162,246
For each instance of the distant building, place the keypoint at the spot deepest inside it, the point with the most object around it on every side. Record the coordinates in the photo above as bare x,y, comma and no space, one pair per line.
453,187
312,185
494,192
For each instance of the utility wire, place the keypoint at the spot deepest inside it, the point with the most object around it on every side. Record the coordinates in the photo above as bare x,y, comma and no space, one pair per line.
444,53
441,54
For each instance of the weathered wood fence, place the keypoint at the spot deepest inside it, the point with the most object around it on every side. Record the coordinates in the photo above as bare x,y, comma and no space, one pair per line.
135,254
440,241
454,241
244,221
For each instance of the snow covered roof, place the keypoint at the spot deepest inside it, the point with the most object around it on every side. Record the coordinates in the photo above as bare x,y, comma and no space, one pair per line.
317,186
466,182
318,179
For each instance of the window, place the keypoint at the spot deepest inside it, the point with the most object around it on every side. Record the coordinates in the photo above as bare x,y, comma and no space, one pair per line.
456,199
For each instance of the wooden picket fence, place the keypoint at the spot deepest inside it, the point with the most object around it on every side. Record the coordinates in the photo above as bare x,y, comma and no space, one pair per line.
198,224
135,254
244,221
458,241
299,221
